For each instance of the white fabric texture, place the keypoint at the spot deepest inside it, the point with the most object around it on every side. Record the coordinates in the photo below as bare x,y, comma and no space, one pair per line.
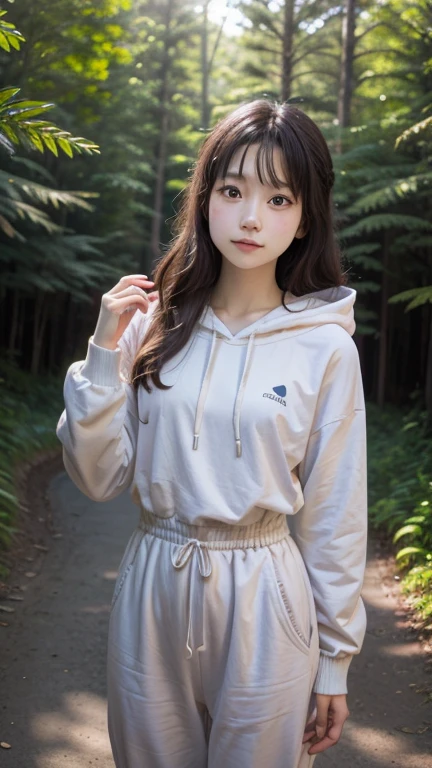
239,691
267,421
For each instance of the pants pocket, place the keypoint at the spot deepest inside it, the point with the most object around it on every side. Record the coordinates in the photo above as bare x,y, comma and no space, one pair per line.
290,595
127,563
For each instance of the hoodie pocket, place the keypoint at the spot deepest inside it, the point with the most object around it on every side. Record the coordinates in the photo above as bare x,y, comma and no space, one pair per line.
127,563
296,622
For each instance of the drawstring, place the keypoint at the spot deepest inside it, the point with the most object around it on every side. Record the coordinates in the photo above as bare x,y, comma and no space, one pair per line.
239,397
179,559
203,394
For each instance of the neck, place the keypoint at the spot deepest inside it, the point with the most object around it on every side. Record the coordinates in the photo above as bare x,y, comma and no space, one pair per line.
243,291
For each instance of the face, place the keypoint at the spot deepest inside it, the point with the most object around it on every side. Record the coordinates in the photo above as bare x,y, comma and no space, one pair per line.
243,208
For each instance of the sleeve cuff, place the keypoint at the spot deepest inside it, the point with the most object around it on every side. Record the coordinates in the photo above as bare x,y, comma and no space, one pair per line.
102,366
332,674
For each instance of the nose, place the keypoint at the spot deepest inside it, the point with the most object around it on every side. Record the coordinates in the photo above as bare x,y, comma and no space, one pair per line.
251,218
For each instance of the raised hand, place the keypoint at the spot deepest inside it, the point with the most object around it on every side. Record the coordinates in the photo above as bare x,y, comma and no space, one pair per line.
118,307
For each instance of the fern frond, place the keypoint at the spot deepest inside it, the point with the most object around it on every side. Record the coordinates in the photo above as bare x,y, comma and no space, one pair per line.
413,131
45,195
419,296
382,221
390,194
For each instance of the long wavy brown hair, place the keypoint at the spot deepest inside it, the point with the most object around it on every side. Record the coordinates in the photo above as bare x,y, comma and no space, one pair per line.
187,273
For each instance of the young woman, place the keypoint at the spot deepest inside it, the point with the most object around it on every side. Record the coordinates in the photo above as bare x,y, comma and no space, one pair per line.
231,401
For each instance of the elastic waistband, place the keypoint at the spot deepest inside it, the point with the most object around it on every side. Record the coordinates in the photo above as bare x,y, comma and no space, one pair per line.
219,535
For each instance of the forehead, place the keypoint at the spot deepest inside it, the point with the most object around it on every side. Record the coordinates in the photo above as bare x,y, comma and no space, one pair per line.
257,162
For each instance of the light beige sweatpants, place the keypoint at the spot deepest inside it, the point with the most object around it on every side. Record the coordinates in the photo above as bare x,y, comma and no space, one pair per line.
212,649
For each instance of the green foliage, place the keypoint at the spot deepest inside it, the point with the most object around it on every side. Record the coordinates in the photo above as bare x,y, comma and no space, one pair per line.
9,35
17,116
417,584
18,126
14,193
400,493
29,411
418,296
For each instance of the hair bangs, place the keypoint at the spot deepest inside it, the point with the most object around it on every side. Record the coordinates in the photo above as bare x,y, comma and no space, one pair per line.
264,161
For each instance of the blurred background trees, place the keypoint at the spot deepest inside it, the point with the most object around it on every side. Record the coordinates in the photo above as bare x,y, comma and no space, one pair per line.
144,81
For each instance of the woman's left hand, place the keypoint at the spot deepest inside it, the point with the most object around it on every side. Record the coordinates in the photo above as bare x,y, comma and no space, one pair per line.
325,729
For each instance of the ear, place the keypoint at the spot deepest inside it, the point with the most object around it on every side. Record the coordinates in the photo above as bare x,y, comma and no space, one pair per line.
301,232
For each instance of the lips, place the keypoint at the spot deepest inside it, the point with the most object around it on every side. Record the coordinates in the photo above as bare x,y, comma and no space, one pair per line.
248,242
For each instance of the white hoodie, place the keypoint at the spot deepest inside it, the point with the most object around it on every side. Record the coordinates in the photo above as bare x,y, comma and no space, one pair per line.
266,421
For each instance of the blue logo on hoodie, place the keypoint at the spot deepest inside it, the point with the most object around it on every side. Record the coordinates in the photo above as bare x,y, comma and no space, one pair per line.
280,393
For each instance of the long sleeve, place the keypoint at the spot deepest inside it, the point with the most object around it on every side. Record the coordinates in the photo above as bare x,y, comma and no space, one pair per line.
99,425
331,527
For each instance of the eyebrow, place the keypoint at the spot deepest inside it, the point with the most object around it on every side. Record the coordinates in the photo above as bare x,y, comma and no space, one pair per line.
236,175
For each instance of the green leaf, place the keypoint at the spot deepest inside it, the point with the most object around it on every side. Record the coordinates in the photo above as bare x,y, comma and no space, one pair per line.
10,133
66,147
419,297
50,143
36,140
24,114
412,528
385,221
8,496
410,551
4,42
8,93
14,41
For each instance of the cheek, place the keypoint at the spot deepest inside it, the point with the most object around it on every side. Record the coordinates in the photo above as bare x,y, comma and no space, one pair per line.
215,210
285,227
217,220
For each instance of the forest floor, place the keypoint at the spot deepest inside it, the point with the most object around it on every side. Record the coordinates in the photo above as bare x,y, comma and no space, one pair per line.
53,642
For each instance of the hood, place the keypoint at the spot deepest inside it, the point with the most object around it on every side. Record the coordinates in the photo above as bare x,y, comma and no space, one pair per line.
331,305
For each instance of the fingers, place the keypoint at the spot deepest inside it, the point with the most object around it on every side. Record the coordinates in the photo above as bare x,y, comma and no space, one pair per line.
309,730
326,729
322,705
127,280
119,305
322,745
129,302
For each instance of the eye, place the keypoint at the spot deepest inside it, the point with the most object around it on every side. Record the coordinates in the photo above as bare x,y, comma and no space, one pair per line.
223,189
281,197
230,188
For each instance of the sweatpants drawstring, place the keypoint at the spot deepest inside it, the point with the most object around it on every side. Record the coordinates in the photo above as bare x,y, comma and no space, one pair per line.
179,559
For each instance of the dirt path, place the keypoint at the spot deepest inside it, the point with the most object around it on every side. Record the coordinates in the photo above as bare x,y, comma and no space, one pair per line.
52,654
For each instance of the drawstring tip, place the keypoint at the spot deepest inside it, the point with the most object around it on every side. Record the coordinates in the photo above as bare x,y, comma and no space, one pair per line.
238,448
195,442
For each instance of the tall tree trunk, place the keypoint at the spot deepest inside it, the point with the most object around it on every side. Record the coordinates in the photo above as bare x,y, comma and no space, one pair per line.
21,326
346,74
287,52
69,343
54,333
428,376
39,322
162,149
382,347
13,334
207,62
428,380
205,111
3,315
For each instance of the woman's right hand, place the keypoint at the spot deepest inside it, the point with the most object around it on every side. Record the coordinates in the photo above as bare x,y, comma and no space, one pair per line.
118,307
